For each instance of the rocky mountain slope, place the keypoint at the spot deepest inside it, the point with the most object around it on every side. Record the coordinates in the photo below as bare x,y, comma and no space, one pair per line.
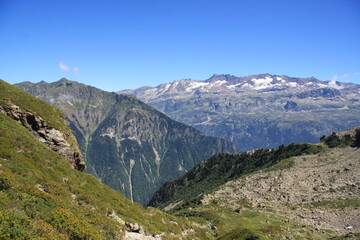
320,190
128,145
42,197
259,111
316,189
219,169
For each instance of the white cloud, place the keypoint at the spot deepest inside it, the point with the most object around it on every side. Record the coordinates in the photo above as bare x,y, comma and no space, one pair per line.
76,71
63,67
338,78
356,74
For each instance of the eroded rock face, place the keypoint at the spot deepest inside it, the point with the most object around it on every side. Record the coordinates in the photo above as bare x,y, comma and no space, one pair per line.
51,137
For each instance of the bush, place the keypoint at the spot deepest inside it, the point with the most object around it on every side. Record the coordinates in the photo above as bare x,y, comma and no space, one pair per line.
333,140
4,184
357,138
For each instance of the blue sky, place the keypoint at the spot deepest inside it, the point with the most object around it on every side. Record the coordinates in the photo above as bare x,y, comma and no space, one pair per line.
115,45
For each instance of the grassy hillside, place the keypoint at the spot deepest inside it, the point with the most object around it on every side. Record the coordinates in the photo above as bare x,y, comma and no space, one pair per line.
41,196
10,95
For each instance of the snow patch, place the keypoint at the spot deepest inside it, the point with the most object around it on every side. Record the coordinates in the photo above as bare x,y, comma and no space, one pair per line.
262,83
233,86
333,84
70,103
194,85
292,84
246,85
220,82
163,88
217,83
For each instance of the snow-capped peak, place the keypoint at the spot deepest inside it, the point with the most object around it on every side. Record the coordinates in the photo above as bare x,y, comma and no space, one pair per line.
229,84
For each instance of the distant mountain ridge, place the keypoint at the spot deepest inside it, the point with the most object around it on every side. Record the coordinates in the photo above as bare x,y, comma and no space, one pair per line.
126,144
231,84
258,111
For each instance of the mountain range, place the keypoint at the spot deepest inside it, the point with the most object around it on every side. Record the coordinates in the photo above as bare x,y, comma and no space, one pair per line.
127,144
258,111
299,191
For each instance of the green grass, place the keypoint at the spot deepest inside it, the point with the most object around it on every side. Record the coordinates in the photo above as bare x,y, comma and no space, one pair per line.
250,224
349,236
41,197
284,164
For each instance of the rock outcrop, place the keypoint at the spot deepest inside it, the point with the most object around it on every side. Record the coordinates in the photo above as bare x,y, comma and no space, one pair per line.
51,137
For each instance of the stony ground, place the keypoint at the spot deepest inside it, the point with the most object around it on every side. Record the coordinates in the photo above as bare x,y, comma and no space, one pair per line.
321,190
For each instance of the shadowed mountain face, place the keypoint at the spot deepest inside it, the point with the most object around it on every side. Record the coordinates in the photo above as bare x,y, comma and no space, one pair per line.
259,111
128,145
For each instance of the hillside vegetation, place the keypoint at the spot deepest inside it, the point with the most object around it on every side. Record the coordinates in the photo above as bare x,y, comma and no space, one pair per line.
42,197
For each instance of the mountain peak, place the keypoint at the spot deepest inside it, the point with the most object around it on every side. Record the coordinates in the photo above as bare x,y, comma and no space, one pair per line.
217,77
64,80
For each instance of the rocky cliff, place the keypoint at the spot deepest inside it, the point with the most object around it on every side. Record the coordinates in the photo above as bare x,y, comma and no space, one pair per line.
128,145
